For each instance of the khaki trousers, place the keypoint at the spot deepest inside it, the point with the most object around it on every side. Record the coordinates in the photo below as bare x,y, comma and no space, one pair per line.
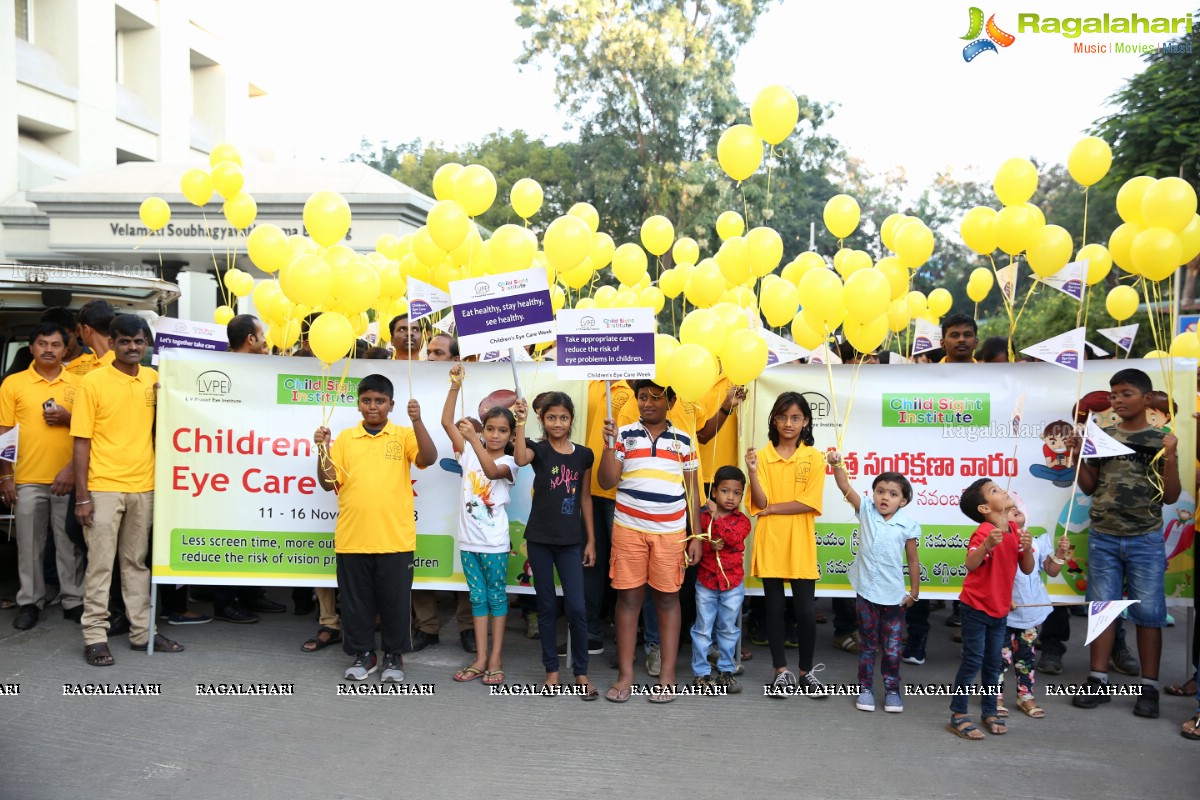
120,532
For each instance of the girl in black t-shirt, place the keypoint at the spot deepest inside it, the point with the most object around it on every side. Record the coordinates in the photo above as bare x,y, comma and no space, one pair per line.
559,533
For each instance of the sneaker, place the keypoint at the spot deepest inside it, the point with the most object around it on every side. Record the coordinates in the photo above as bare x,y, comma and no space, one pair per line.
363,665
727,682
393,669
531,625
595,647
811,686
653,660
704,683
865,701
194,618
1147,703
758,634
954,620
1050,664
892,703
235,614
1089,697
1125,662
849,642
914,652
783,684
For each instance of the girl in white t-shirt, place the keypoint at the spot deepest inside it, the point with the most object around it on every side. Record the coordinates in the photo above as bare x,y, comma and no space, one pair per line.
488,471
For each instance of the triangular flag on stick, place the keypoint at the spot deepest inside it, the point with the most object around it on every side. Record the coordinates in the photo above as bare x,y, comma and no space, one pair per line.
424,300
445,324
926,337
1065,350
1069,279
1098,444
1007,278
1122,335
1101,614
779,349
8,445
823,355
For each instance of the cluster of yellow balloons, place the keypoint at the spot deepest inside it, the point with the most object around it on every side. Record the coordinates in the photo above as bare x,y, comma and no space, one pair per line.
773,116
711,341
1160,230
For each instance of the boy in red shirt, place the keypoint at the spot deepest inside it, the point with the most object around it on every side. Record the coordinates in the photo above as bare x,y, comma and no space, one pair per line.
719,581
995,549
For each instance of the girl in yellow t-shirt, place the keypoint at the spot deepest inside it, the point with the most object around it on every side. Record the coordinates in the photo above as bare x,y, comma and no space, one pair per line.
787,478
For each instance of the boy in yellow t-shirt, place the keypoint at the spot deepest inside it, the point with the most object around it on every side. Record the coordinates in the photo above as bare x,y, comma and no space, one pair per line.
369,467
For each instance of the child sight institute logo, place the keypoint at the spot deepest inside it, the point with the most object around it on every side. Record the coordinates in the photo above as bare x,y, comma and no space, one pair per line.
994,37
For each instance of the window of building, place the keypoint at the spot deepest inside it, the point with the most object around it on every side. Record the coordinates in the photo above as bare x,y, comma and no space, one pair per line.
24,23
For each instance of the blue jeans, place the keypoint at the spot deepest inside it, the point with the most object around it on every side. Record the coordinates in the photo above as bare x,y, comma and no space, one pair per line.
544,559
649,621
983,641
724,608
1133,565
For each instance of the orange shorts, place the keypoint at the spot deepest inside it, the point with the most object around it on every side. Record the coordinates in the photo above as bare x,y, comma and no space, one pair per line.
640,558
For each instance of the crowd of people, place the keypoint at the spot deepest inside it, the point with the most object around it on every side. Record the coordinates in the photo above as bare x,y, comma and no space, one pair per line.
650,511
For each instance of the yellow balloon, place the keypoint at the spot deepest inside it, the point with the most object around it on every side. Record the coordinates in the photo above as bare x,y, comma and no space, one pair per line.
977,291
671,282
705,284
286,334
822,296
1169,203
1089,160
154,213
1038,216
392,283
448,224
227,178
1121,302
1099,262
388,245
739,152
629,263
268,247
764,247
731,314
327,217
744,357
914,244
1190,238
685,251
1015,182
224,151
331,337
898,316
664,346
1129,199
263,295
983,276
704,327
567,242
586,212
240,211
729,225
1156,253
558,298
307,280
475,189
692,372
526,197
804,335
897,276
605,296
196,185
865,337
575,278
511,248
887,231
443,180
841,215
652,298
223,314
240,284
603,248
977,230
939,302
1186,345
917,302
802,264
357,288
626,298
1120,243
868,294
774,113
780,303
1049,251
658,234
585,303
1015,227
847,262
734,260
1157,354
426,249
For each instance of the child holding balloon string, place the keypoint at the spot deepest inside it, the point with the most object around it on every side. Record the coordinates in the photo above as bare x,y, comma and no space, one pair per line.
787,478
488,472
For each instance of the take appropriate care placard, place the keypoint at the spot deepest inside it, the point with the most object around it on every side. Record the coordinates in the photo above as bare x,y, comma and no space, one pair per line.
512,309
605,344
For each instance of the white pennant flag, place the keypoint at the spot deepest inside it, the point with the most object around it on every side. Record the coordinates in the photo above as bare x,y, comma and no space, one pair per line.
1065,350
779,349
823,355
1101,613
8,445
926,337
1007,278
424,300
1122,335
445,324
1069,279
1098,444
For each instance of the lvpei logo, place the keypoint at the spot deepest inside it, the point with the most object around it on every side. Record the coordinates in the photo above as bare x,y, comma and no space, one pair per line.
986,44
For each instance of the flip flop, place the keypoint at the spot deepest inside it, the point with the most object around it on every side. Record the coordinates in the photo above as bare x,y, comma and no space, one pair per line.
1191,728
1177,690
615,695
493,677
661,694
956,726
468,674
592,692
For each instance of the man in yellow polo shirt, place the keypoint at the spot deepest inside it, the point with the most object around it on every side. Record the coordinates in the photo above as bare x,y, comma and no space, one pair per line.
376,533
112,424
39,400
91,325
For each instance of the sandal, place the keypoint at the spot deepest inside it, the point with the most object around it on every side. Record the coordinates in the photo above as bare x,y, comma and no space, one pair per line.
1191,728
615,695
468,674
98,655
325,637
1031,708
746,654
995,726
493,677
1188,689
963,729
1001,709
661,694
590,692
161,645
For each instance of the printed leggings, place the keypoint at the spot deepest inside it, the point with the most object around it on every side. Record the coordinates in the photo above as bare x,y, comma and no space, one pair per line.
1020,654
879,631
487,582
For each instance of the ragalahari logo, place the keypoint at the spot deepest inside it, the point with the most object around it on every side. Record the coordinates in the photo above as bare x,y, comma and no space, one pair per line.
994,37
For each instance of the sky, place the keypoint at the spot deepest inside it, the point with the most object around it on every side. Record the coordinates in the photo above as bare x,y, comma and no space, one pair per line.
904,96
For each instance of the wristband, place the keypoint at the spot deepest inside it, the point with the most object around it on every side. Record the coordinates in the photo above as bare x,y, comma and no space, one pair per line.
6,477
726,411
83,502
1057,560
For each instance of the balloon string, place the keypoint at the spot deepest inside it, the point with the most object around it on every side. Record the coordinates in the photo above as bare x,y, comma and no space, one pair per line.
849,403
770,165
1032,286
745,206
829,372
1085,210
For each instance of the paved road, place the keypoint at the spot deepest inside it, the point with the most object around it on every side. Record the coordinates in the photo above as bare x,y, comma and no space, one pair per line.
462,743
